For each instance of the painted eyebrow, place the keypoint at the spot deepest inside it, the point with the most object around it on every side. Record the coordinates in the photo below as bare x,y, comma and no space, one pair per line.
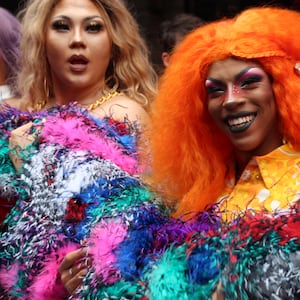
69,19
236,77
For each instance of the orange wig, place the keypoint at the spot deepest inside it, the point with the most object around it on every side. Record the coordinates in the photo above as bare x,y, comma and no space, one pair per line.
190,154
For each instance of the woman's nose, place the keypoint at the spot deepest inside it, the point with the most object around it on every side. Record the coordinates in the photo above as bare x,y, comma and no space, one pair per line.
77,39
232,98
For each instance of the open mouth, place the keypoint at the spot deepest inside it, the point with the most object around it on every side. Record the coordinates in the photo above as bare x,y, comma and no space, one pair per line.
78,60
240,123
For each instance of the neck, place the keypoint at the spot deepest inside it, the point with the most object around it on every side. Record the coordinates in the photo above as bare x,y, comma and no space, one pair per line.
83,97
242,158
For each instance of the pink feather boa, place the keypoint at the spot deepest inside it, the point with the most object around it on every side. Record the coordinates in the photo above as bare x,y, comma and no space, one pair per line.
105,237
8,278
47,285
81,137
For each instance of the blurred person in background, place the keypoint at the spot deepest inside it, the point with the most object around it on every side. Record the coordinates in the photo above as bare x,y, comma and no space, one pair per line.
174,30
10,35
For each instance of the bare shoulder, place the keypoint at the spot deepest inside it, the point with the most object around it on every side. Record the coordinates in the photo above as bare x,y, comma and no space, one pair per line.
121,107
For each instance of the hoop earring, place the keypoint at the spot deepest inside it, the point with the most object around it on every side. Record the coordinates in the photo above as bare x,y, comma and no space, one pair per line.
42,103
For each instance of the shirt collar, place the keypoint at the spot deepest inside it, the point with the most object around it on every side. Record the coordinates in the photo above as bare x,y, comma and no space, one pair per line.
285,157
269,171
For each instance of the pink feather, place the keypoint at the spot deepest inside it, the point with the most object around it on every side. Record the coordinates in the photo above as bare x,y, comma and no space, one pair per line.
105,237
76,135
8,277
47,285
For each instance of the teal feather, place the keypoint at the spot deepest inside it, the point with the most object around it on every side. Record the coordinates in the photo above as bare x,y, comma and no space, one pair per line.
167,279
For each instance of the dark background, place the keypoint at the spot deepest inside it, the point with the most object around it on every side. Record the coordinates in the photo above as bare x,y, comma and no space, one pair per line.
150,13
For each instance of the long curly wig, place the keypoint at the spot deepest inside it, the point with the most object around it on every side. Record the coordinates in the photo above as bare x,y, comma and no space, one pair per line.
191,154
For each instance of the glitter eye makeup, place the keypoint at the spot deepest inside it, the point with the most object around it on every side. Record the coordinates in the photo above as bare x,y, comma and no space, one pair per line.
94,26
214,88
251,76
60,25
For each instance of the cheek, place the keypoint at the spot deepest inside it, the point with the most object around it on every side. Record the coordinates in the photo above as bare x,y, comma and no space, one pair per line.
52,48
269,101
213,109
102,47
273,109
56,40
52,57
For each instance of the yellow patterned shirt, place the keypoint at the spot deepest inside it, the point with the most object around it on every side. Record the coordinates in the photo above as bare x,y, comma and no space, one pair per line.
270,182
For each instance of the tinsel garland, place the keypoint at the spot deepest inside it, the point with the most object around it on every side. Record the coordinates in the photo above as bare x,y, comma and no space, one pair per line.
80,184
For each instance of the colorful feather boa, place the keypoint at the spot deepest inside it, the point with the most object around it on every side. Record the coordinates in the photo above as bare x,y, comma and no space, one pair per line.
80,183
255,257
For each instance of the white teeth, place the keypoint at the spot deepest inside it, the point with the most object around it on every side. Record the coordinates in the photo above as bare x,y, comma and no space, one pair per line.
241,120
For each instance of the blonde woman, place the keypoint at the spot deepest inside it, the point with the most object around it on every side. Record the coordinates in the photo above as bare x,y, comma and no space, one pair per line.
86,85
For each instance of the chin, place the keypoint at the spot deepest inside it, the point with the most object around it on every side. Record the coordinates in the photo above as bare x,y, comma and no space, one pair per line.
244,147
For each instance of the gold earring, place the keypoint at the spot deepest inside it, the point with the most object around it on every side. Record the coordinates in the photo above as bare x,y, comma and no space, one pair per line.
46,89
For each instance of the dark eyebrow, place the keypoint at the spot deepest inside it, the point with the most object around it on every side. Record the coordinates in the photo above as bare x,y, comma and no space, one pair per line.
236,77
85,19
240,74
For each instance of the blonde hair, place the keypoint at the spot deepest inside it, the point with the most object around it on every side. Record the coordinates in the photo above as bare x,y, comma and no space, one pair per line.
190,154
129,67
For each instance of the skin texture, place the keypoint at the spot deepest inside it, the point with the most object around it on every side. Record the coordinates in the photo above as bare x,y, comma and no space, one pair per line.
238,88
75,33
73,268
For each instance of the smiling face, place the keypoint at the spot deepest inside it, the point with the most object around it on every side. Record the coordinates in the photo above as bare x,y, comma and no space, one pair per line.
241,102
78,46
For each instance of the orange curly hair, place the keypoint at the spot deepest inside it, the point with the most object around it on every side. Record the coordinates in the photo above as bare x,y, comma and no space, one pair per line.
190,154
